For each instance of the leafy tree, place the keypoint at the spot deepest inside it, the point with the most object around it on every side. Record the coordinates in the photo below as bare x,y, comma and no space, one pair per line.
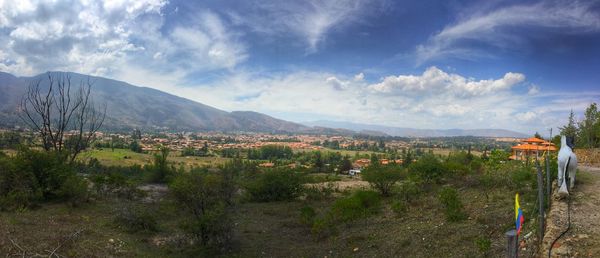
383,178
200,193
428,168
135,147
346,164
275,185
160,169
570,130
589,127
318,161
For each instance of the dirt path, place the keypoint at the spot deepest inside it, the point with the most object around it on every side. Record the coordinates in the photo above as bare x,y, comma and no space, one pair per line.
583,239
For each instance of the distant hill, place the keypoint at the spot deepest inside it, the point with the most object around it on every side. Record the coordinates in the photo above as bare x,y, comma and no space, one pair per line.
130,106
412,132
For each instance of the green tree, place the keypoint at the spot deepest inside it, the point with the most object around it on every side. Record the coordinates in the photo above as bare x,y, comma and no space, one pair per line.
318,161
201,194
428,168
135,147
589,127
383,178
570,130
346,164
160,169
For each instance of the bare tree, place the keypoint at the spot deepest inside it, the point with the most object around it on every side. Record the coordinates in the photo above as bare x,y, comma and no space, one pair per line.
65,121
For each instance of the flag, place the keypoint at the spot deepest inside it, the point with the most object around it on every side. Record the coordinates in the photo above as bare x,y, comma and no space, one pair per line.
518,215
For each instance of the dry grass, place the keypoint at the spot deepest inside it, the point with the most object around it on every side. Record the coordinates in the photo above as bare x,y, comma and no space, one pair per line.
126,157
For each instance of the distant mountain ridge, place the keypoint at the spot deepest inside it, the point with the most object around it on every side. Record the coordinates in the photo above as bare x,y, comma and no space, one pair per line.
412,132
130,106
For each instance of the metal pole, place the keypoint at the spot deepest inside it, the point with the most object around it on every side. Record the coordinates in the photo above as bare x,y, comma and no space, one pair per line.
540,182
512,244
548,180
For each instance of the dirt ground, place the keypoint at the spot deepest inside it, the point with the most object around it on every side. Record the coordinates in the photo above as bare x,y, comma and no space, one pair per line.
583,238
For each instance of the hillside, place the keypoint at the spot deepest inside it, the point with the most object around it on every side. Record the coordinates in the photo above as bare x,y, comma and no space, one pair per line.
130,106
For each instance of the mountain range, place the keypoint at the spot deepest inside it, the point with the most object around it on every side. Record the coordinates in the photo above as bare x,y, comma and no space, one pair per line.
130,106
412,132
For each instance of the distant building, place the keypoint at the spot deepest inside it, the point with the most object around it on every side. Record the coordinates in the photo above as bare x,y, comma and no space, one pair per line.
361,163
267,165
531,148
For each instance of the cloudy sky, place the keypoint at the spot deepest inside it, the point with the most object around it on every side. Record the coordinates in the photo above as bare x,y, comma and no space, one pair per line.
520,65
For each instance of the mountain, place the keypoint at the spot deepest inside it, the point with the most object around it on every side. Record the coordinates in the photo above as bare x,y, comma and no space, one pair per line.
412,132
130,106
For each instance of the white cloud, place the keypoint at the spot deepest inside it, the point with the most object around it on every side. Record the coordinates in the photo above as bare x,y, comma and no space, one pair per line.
107,37
311,20
435,81
533,89
359,77
491,27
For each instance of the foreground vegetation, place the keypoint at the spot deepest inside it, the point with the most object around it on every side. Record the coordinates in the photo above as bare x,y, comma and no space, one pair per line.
236,208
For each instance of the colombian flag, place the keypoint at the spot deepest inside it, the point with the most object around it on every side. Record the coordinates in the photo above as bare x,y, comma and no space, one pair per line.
518,215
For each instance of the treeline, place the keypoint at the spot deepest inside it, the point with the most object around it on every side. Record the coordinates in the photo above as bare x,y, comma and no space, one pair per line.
587,131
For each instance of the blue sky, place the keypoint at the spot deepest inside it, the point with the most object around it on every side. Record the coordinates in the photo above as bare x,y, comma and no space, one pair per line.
520,65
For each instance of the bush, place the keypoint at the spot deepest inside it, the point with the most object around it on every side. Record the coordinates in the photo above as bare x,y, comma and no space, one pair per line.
275,185
428,168
18,188
361,204
32,176
483,244
160,171
114,183
201,193
522,177
307,215
409,190
451,201
135,220
399,207
383,178
74,190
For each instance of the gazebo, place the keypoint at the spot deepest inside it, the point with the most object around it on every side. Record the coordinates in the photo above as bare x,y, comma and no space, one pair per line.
531,147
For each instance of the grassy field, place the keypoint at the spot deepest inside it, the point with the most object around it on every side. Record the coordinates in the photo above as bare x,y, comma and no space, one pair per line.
268,230
445,152
126,157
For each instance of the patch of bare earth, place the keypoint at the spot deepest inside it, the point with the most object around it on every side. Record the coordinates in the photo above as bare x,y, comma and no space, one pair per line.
583,239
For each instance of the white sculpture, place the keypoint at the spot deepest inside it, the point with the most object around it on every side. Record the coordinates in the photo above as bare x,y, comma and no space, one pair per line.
567,163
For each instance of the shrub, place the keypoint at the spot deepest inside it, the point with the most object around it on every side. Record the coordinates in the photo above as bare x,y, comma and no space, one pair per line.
428,168
483,244
399,207
74,190
134,220
18,188
201,195
322,227
160,171
361,204
409,190
33,176
275,185
307,215
383,178
453,206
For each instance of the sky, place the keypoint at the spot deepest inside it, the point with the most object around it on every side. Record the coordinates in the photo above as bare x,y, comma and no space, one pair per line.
518,65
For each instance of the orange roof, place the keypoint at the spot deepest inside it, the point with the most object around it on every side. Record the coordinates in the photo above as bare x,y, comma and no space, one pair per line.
533,140
533,147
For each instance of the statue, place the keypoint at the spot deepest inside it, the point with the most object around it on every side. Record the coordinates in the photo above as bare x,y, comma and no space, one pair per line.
567,166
